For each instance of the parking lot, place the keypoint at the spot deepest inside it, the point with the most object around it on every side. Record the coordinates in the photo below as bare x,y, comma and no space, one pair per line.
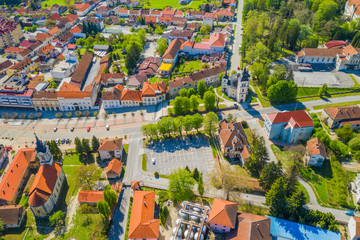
172,154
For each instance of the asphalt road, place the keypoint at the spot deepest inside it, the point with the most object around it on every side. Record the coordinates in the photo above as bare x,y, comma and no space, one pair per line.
235,59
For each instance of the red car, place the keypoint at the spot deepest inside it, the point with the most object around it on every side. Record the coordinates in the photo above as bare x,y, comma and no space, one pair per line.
88,129
238,68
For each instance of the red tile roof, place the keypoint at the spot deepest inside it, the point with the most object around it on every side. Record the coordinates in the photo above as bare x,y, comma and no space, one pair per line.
250,227
315,147
114,166
173,48
131,95
15,173
334,43
86,196
155,89
110,144
223,213
295,118
142,222
343,113
44,184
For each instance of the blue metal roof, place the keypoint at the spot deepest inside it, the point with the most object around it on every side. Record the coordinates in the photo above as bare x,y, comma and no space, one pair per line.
282,229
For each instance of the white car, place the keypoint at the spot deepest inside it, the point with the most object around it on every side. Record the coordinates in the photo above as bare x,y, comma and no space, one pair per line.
55,129
57,140
108,127
153,161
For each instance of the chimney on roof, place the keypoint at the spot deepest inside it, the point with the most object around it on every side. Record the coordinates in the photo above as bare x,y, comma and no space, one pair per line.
145,204
8,184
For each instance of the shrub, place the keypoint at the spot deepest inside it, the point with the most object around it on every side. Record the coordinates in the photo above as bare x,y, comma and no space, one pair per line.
156,174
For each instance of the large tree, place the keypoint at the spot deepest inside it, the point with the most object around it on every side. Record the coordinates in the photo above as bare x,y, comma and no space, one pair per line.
95,143
104,208
271,172
211,123
110,196
282,91
345,132
201,88
87,175
296,208
181,186
258,156
197,121
209,100
276,199
162,46
194,103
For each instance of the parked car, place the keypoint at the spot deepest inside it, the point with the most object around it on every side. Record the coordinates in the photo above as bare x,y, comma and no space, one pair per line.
108,127
238,68
55,129
153,161
88,129
62,141
57,140
67,141
72,129
349,212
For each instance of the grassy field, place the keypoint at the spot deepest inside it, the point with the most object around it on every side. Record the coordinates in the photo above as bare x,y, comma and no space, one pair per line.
161,4
336,105
220,93
303,189
189,66
49,3
285,157
158,79
71,159
263,102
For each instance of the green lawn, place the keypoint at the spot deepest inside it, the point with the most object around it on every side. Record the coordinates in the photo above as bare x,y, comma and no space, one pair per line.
336,105
263,102
71,179
49,3
220,93
357,85
285,157
161,4
303,189
72,159
188,66
158,79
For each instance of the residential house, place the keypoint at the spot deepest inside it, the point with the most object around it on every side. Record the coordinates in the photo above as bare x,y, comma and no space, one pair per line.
76,100
225,15
335,44
90,197
142,222
5,66
288,127
180,34
99,23
354,228
12,216
110,148
352,10
167,12
194,15
315,153
222,217
83,9
112,78
283,229
336,117
209,75
195,27
103,11
136,185
16,52
11,33
215,44
16,176
153,94
112,98
233,140
124,13
250,227
131,98
26,66
149,66
136,80
208,19
236,86
114,169
46,100
77,31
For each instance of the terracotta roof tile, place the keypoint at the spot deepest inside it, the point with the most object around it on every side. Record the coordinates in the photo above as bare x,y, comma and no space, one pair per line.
86,196
142,222
81,70
44,184
131,95
223,213
10,215
173,48
115,166
110,144
343,113
15,173
315,147
296,118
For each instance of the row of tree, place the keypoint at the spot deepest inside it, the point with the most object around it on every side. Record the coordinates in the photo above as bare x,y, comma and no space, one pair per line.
168,126
83,146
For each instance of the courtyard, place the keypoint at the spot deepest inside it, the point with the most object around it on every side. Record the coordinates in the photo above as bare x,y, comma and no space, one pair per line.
194,152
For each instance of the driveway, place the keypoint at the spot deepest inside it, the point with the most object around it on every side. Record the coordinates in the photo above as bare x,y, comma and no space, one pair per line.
170,155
